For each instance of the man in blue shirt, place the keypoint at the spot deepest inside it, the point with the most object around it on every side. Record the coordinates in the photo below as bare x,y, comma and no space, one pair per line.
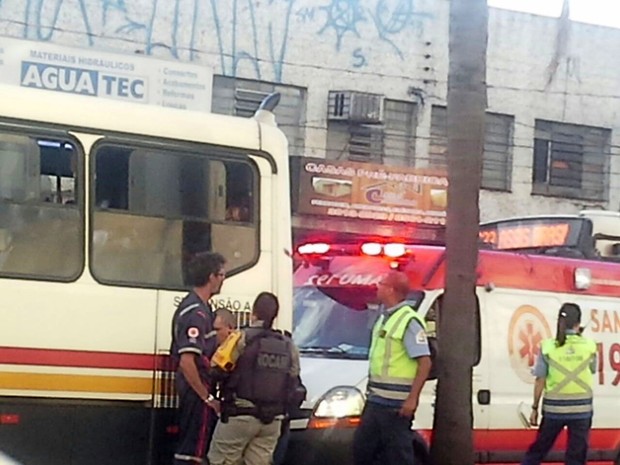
191,350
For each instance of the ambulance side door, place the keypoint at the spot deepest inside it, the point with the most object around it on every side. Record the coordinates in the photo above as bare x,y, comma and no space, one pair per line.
516,323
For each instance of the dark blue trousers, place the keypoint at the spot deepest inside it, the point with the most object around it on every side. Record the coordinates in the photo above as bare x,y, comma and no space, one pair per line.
193,417
548,432
383,432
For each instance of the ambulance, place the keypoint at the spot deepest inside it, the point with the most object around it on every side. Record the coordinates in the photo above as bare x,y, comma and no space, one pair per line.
527,268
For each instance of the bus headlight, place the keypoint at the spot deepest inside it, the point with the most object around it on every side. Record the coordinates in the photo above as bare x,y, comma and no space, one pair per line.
339,407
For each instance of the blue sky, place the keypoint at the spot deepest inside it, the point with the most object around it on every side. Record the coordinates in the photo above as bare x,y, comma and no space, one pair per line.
604,12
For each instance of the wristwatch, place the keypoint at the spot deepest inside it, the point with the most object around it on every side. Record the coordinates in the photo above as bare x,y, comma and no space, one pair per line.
534,407
209,399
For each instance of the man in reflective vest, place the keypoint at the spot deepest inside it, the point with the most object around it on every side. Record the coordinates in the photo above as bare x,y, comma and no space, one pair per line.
564,371
399,366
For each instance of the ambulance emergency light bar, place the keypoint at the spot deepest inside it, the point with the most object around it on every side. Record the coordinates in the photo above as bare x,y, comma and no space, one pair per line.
372,249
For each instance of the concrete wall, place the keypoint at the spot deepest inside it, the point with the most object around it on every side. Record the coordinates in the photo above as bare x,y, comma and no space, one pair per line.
385,46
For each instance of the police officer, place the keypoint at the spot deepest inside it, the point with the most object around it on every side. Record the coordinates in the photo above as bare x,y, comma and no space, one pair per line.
399,366
256,392
191,350
564,370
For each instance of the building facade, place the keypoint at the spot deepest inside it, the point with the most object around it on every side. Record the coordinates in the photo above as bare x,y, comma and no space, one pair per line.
366,81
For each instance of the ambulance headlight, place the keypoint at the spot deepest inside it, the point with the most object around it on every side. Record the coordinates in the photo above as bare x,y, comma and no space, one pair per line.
340,402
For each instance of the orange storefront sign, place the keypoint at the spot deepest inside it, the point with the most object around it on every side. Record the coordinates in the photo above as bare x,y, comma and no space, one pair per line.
370,191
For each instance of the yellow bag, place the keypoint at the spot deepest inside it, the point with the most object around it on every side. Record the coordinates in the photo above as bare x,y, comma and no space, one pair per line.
226,355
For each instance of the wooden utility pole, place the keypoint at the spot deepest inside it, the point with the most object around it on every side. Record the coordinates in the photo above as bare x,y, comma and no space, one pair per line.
452,431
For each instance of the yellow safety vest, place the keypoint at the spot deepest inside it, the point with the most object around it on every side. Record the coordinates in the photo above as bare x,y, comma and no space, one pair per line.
568,385
392,371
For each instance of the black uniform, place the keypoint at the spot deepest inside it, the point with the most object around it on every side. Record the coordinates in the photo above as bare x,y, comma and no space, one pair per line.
192,322
255,396
262,374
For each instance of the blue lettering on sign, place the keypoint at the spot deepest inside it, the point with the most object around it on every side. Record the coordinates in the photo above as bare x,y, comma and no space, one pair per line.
59,78
80,81
118,86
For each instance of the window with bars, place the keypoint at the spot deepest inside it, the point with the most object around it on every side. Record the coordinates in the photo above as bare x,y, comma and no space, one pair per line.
242,97
497,156
392,142
570,160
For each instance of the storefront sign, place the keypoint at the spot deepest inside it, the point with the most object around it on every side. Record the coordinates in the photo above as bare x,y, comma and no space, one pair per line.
372,192
128,78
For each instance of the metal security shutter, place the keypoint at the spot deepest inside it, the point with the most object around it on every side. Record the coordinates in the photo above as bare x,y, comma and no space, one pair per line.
241,97
571,160
400,119
357,142
497,156
438,148
365,143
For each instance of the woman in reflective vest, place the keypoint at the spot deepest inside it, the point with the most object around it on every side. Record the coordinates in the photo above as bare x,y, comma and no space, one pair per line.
564,371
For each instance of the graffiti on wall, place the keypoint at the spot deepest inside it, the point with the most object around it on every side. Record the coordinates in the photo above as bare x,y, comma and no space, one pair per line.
390,18
250,38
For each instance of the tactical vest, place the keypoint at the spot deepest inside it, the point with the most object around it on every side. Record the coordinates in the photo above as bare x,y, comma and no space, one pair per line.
262,374
392,371
568,385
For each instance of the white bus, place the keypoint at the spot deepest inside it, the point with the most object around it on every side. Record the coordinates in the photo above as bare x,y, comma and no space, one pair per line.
101,204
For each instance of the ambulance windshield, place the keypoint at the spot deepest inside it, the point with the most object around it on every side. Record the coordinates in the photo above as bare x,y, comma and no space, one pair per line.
336,322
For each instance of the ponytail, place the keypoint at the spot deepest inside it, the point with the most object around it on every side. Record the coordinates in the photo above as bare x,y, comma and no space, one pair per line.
560,337
568,318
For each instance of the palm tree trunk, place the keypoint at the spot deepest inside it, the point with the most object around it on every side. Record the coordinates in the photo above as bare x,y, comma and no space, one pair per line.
453,422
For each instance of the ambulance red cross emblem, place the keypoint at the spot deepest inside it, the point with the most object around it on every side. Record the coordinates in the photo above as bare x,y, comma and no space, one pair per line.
528,328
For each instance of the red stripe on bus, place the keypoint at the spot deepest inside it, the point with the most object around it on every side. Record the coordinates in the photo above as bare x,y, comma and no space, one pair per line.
82,359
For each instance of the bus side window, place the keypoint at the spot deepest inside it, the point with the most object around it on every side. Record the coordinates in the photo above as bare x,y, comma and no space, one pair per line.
40,219
155,208
58,172
233,186
239,199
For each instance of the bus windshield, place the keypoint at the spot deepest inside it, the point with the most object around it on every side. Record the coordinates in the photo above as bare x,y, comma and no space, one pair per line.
337,322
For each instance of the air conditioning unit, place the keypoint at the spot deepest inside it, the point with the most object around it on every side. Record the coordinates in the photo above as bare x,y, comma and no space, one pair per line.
355,107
